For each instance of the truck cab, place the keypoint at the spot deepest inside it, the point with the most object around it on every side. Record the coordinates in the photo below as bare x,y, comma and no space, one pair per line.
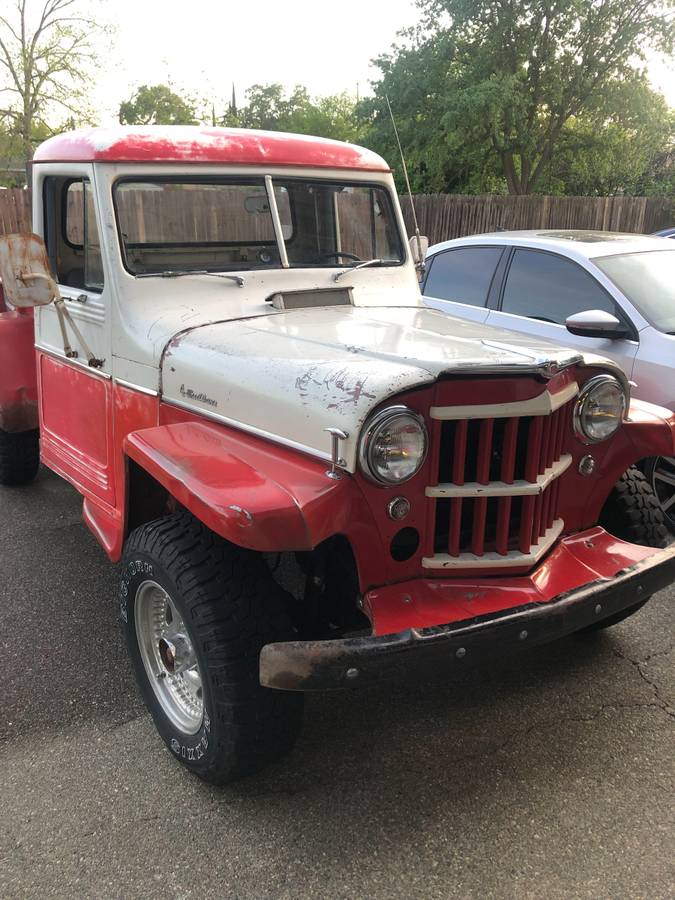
310,479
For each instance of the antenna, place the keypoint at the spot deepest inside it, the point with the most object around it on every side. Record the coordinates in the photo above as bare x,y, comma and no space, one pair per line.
420,264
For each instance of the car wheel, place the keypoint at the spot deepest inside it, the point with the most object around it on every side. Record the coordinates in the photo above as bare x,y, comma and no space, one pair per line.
196,612
660,472
632,511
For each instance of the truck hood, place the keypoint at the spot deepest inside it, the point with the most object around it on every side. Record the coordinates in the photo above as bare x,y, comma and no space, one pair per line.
290,375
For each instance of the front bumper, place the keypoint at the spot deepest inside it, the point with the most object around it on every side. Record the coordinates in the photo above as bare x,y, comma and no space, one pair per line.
334,664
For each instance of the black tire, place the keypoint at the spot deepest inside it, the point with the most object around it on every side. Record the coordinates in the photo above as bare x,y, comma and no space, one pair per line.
615,619
19,456
632,511
654,468
231,606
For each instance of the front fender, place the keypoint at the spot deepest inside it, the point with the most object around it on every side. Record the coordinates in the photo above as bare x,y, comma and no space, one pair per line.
255,494
18,373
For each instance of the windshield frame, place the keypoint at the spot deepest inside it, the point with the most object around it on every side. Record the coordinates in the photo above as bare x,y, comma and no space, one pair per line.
271,182
646,315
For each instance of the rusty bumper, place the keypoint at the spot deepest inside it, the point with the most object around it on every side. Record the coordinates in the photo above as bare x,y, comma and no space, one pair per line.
350,662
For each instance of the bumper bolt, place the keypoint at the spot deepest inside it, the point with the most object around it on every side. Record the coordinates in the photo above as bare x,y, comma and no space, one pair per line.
352,674
598,609
523,635
461,653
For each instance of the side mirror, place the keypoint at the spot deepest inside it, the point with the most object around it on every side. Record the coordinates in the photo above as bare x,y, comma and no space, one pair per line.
27,280
596,323
418,248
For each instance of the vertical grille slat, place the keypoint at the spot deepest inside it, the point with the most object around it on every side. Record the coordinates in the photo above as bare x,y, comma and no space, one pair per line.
496,452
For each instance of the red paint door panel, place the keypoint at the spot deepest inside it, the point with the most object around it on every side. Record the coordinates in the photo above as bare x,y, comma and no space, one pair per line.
76,417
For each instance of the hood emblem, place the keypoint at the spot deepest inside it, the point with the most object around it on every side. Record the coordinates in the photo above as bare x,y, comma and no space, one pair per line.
200,396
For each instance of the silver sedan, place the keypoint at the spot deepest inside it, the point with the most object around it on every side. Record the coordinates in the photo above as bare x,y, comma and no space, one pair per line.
604,292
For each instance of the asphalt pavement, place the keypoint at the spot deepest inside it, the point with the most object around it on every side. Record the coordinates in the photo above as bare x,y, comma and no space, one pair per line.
549,775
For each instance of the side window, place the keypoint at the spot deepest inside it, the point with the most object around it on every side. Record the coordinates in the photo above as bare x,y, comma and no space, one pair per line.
548,287
463,275
72,237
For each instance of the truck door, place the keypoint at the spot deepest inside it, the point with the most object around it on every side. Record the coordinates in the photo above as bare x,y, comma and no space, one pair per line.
75,399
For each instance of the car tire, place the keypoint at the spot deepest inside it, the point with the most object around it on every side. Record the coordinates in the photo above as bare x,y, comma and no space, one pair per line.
632,512
655,468
19,456
215,606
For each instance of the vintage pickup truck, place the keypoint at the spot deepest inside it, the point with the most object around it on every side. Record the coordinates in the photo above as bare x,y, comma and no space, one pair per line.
311,480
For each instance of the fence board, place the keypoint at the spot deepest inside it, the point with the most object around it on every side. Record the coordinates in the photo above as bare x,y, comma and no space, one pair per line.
445,216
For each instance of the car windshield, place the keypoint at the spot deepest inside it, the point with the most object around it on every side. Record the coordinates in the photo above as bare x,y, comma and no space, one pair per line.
220,225
648,280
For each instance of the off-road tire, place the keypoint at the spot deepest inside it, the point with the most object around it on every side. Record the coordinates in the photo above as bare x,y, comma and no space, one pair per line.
650,468
19,456
615,619
632,512
231,607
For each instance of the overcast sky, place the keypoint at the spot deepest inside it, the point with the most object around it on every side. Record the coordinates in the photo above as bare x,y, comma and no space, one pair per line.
201,47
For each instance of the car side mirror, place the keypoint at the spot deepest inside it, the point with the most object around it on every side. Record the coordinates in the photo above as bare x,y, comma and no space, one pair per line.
596,323
419,245
27,280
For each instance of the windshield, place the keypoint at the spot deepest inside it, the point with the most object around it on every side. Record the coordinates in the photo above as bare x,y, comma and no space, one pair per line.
169,224
648,280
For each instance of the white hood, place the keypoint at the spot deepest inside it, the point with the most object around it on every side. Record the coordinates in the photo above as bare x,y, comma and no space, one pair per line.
290,375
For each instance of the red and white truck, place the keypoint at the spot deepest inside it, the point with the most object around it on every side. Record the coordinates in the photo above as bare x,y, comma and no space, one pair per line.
309,480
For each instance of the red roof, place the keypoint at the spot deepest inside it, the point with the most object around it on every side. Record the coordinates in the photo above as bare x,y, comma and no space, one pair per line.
192,144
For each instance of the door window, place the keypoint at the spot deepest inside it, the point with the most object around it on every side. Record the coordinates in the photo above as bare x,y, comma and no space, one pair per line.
550,288
72,237
463,275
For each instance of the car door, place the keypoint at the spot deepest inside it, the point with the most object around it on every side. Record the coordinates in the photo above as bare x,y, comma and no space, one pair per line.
541,289
75,398
458,280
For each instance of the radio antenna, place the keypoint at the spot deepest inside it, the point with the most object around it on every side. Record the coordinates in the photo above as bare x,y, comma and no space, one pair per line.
420,264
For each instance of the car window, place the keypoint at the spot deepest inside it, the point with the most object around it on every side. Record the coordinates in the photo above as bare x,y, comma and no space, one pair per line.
72,235
648,280
463,275
547,287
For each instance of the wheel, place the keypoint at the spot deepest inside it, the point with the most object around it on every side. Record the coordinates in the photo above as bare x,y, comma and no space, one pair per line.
660,472
632,511
196,613
615,619
19,456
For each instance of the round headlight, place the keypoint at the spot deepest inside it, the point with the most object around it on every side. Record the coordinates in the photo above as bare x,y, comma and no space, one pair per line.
600,409
393,446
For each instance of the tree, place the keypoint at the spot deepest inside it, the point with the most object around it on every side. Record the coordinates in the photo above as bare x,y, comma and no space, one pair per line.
505,77
269,107
45,56
157,104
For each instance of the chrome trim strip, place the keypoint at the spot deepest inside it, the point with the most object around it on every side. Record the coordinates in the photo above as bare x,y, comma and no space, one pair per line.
136,387
250,429
501,488
542,405
495,560
73,362
276,221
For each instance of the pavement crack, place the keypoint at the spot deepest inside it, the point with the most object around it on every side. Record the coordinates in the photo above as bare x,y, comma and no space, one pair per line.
637,664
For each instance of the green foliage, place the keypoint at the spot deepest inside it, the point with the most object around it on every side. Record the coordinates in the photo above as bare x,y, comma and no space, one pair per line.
157,104
269,107
486,92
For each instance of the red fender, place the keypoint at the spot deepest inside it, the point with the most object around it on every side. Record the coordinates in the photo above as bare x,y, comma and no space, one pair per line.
257,495
18,373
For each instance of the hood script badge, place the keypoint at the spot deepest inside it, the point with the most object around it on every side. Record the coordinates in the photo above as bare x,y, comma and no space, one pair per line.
201,397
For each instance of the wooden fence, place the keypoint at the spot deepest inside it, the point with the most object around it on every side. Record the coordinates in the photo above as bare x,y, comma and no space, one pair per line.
445,216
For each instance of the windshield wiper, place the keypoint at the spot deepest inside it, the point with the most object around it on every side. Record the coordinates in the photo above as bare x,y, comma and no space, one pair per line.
364,265
178,273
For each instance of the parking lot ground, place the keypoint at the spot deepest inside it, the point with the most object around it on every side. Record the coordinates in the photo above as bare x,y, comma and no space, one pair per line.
549,775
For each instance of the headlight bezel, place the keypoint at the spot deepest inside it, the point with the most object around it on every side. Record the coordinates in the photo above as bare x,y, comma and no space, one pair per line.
372,428
586,392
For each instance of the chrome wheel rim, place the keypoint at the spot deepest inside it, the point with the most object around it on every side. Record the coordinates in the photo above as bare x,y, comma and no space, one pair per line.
169,658
663,482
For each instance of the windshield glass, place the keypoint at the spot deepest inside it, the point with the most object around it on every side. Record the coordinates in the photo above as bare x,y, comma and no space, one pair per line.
169,224
648,280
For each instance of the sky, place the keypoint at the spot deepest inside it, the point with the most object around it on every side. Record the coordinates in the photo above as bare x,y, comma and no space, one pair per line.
202,47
